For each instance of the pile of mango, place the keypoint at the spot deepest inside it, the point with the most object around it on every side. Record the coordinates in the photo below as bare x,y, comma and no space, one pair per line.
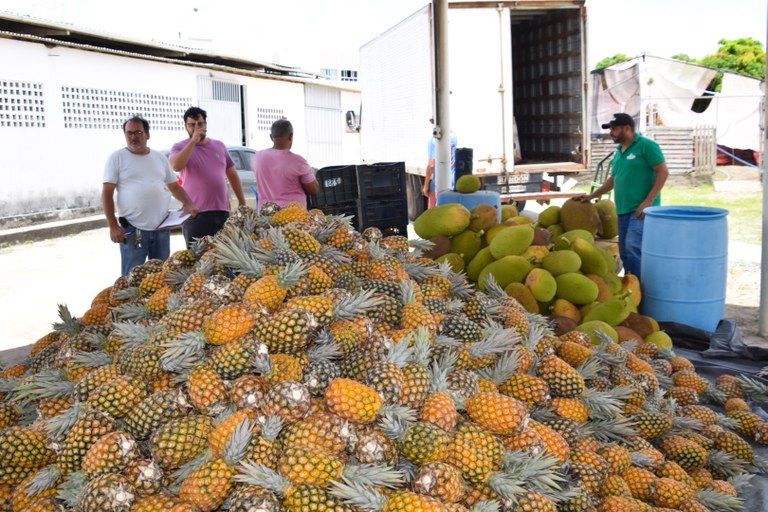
563,265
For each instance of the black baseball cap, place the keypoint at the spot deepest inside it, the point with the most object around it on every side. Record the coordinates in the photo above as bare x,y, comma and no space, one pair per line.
620,119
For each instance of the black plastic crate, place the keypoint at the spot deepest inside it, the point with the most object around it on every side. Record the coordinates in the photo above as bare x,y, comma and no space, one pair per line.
513,183
338,184
349,208
386,179
384,214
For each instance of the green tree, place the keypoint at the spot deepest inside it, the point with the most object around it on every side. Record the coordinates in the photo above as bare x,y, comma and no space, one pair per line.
684,57
610,61
745,56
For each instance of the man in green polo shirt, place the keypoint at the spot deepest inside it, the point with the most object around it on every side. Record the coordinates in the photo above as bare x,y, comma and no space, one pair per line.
638,173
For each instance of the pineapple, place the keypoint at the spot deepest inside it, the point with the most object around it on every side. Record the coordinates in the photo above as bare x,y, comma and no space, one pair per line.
112,453
418,442
271,290
208,485
228,323
154,411
498,413
353,401
414,314
563,380
181,440
289,400
386,376
441,481
206,389
289,331
110,492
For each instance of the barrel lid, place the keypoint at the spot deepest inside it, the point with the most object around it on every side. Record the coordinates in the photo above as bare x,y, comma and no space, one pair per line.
686,212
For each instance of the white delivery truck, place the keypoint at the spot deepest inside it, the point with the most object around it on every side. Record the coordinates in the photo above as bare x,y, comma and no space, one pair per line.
518,97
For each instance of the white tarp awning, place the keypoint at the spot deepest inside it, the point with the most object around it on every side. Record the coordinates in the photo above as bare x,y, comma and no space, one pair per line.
669,88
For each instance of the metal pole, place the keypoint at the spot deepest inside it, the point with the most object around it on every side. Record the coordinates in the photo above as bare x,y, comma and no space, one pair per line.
500,10
443,94
763,315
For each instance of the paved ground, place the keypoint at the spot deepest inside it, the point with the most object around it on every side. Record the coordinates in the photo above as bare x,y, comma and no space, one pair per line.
36,276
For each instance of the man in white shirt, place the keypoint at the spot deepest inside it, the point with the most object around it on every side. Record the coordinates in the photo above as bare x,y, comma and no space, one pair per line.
144,181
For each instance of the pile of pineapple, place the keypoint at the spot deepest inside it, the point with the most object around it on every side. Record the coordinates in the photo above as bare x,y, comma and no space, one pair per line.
291,363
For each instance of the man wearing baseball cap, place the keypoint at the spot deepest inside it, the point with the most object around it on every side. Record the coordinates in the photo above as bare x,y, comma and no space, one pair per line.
638,173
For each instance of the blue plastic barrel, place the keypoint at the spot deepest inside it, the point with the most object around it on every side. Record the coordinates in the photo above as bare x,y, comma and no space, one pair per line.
684,266
471,200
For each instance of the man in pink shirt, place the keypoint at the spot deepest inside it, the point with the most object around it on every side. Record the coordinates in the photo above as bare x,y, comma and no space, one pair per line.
205,167
283,176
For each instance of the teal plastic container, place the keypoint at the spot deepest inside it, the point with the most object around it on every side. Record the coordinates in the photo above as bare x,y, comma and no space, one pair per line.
684,268
471,200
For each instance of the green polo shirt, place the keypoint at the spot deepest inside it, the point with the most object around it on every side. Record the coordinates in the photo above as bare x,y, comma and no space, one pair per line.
633,173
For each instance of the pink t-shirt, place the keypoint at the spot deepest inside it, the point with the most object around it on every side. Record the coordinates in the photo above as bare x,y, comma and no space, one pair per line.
205,178
279,175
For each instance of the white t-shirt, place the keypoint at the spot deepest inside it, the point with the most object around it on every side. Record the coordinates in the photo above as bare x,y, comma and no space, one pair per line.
141,194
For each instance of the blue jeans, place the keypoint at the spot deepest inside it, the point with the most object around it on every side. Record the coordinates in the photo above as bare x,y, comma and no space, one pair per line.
630,242
154,245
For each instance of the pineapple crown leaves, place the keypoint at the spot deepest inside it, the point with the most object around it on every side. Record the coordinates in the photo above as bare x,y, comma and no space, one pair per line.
225,413
70,490
642,460
262,476
376,475
127,293
460,286
610,430
683,423
407,292
271,426
335,255
421,244
421,346
400,353
356,305
69,325
130,311
90,359
536,330
359,495
446,341
508,486
440,369
184,352
175,302
539,471
759,465
605,405
60,425
726,463
496,341
134,333
506,365
727,422
176,277
262,364
234,250
667,382
712,395
753,389
590,368
493,289
42,481
395,420
237,447
188,468
741,482
326,351
454,306
48,383
421,271
487,506
719,502
292,274
408,469
95,340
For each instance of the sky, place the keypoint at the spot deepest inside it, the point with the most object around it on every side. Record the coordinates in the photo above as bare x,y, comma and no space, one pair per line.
323,33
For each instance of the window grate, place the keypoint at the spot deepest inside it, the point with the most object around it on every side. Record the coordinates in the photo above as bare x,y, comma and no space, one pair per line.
266,116
21,104
104,109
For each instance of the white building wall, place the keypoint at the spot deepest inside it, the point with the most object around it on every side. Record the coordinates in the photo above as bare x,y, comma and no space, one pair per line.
57,163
